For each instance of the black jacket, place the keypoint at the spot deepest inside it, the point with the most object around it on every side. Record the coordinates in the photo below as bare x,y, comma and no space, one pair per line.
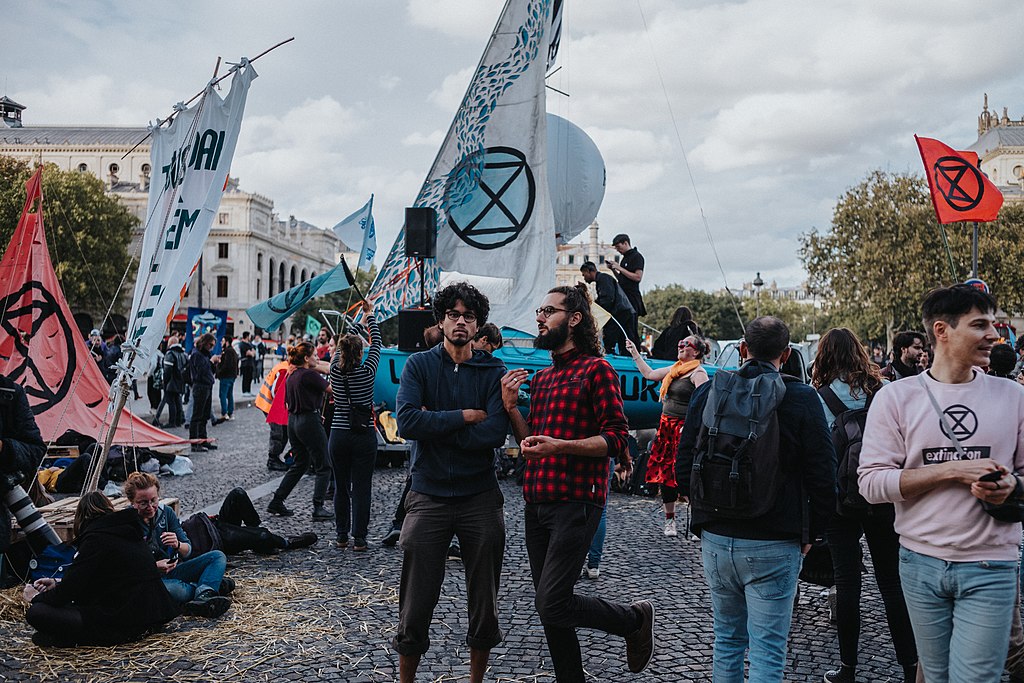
201,367
227,368
23,447
449,457
806,456
174,368
610,296
114,581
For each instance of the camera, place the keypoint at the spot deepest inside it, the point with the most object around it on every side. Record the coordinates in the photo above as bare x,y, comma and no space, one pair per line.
37,530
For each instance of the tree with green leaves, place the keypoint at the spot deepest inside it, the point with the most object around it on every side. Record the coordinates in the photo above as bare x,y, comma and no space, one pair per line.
87,231
885,250
713,312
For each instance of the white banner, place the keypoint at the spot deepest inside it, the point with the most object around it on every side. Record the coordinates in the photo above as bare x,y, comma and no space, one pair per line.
191,159
489,181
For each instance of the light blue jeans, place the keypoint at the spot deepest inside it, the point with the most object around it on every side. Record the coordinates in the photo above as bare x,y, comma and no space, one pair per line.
227,396
752,587
597,545
961,612
195,575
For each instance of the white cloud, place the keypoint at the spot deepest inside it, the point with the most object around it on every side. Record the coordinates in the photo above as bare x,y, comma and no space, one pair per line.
453,88
432,139
462,18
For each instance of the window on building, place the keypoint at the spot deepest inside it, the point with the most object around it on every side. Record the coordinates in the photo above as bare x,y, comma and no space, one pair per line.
294,274
259,289
223,218
82,168
600,259
259,262
270,283
113,169
572,259
222,249
222,286
303,277
145,169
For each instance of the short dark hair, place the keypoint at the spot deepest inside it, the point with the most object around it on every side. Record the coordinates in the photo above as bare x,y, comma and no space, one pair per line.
949,304
767,337
245,335
1002,360
905,339
588,266
491,333
620,238
471,297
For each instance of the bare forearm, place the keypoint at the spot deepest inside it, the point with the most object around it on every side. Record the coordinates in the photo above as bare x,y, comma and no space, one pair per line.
520,430
591,447
921,480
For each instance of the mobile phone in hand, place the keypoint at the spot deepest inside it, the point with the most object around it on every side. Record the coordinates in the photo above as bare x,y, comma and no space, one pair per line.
991,476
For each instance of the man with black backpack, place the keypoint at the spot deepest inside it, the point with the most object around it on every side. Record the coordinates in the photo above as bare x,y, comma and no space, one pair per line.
756,463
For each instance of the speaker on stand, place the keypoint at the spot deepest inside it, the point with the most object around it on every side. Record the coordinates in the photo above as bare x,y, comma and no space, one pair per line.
421,239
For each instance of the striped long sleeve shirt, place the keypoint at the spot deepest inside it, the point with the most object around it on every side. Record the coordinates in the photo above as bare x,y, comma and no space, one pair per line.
355,387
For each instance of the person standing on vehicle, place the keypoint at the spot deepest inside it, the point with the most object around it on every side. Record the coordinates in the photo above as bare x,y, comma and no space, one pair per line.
629,271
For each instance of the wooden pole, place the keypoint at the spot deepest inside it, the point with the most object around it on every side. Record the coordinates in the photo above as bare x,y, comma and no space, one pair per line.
100,459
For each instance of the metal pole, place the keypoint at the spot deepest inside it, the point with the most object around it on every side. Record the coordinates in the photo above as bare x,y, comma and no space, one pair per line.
974,252
96,466
200,284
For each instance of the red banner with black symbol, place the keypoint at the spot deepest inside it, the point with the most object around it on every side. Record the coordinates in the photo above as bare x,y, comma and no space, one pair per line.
960,191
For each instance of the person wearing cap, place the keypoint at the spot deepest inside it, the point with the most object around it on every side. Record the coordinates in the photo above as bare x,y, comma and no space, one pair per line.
629,271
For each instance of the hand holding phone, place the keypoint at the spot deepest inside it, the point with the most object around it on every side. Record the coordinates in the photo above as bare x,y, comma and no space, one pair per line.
994,475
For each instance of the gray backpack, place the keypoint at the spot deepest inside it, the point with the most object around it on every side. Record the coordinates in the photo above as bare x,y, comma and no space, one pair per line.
736,471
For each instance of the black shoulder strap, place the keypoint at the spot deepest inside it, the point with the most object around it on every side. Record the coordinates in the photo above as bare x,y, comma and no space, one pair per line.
832,400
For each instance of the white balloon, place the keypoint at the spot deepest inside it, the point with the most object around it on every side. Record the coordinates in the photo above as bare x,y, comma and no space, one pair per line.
576,177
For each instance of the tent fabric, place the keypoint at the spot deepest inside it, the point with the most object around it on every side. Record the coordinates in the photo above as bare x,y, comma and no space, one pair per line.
41,348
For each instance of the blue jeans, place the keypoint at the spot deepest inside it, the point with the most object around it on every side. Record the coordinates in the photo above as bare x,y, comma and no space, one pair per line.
597,545
227,396
195,575
961,612
752,587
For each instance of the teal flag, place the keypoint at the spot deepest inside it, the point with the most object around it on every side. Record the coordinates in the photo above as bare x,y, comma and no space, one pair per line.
271,313
312,326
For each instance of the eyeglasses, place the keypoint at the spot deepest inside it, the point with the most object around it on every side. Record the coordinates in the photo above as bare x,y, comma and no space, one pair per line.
455,315
685,343
144,504
548,311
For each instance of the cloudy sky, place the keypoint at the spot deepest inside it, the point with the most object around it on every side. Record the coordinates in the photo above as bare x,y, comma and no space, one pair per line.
778,105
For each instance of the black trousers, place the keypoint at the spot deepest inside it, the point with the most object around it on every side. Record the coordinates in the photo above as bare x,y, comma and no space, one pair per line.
175,411
558,536
843,535
353,455
202,402
278,441
237,510
248,370
65,625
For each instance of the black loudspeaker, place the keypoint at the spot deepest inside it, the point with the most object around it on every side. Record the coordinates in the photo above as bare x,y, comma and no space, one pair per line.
420,232
411,324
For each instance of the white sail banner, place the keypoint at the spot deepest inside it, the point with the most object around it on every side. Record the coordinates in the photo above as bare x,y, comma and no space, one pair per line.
489,181
190,158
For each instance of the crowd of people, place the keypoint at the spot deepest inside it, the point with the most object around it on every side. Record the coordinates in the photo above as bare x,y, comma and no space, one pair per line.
874,449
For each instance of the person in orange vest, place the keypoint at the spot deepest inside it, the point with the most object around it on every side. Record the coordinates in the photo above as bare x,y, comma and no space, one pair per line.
270,400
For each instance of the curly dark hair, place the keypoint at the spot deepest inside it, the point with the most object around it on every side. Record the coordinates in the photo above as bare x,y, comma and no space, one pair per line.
842,356
585,335
349,352
471,297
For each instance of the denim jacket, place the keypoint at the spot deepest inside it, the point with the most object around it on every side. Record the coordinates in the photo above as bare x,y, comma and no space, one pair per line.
164,520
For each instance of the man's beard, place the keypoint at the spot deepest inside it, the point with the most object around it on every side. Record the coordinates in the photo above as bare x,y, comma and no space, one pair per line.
554,338
458,342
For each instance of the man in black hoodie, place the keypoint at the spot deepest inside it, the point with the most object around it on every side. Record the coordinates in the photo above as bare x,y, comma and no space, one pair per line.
174,381
449,404
201,368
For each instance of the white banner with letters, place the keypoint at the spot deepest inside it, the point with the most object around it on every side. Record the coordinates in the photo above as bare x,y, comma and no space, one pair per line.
191,159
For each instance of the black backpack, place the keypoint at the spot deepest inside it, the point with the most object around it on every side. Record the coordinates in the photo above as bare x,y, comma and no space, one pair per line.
736,470
847,438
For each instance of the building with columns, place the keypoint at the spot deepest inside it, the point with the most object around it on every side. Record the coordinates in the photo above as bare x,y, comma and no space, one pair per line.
570,257
250,254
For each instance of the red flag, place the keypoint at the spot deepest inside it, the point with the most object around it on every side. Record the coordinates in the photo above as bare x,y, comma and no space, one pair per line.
41,347
960,191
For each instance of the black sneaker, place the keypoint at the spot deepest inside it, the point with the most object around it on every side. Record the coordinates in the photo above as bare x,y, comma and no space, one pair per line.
302,540
227,586
198,448
276,465
391,540
321,514
841,675
207,606
640,643
210,446
277,507
359,545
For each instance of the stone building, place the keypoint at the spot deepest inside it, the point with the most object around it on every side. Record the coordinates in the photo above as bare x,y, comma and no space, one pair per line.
1000,147
250,254
569,257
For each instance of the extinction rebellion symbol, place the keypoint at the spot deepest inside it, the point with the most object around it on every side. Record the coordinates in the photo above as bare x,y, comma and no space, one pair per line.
47,382
962,420
495,212
959,182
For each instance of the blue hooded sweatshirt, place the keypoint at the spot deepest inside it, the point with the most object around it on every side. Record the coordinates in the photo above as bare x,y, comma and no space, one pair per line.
449,457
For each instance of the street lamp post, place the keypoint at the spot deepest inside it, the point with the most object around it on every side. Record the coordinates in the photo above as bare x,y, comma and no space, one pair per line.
758,284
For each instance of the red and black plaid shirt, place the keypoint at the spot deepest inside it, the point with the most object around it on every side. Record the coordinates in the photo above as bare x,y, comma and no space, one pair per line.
576,398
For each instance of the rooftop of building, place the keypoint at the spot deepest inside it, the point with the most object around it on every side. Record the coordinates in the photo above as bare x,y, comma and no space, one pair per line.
73,136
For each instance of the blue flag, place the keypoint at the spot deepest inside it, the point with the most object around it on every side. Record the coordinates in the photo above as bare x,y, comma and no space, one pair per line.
358,233
271,313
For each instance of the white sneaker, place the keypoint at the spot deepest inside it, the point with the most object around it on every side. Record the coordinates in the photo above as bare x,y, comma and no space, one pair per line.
593,572
670,527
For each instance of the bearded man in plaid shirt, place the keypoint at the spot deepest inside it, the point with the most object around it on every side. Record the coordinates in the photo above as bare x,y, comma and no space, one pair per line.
576,424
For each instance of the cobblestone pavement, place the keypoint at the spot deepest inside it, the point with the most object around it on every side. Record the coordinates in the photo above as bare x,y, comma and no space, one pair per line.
328,614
